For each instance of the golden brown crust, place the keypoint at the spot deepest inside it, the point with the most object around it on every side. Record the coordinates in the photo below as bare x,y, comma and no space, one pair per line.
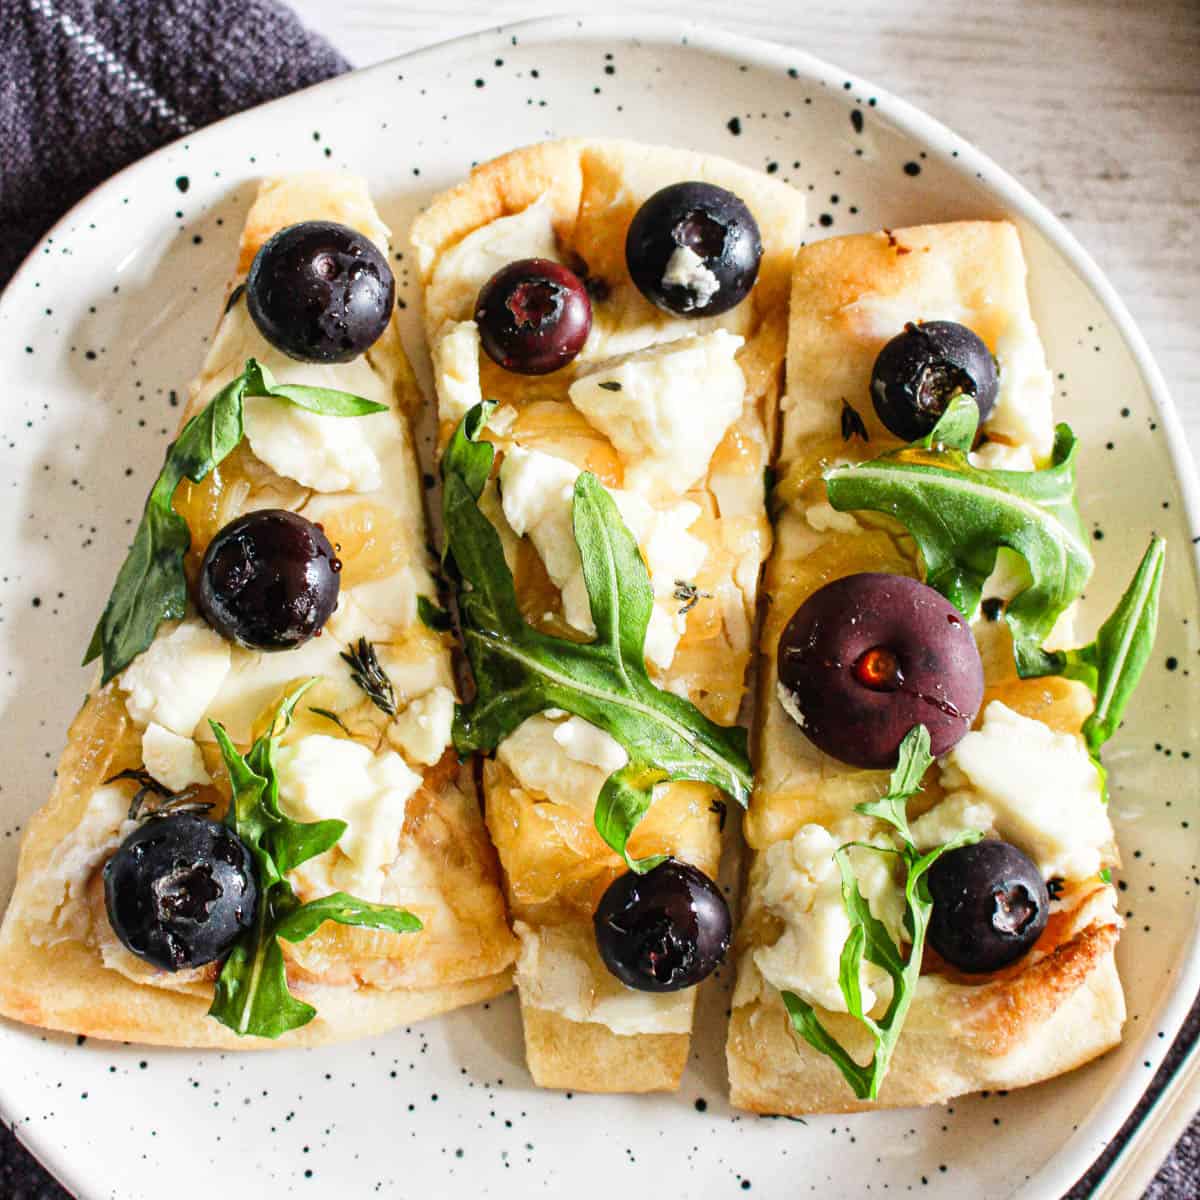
1016,1035
593,188
65,985
585,1057
498,188
1062,1004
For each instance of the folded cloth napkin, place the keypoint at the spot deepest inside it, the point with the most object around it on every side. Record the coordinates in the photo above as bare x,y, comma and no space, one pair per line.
87,86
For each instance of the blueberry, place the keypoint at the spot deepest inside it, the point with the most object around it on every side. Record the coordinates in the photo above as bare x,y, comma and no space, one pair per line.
867,657
694,249
665,930
180,890
990,904
269,580
534,316
320,292
920,370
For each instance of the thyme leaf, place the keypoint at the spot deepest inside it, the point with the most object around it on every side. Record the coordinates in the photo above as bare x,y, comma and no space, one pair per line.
367,672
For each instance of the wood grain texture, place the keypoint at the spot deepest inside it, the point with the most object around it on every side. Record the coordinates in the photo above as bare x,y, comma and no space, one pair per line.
1093,104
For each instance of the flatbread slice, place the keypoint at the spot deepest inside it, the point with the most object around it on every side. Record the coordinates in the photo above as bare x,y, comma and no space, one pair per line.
1059,1005
702,532
423,848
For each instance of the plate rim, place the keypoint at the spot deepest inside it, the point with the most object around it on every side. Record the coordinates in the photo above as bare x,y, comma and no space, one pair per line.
1078,1153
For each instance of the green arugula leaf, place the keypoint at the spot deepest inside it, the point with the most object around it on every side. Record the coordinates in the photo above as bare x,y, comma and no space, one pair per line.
520,671
913,761
150,587
433,616
304,921
622,803
960,516
1112,665
251,996
869,938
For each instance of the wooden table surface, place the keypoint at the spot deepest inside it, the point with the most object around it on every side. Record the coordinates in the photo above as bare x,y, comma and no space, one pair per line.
1093,104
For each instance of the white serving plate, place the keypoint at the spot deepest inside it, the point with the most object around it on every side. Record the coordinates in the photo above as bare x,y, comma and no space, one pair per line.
110,315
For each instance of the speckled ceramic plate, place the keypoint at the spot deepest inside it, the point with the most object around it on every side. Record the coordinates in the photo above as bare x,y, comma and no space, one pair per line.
105,325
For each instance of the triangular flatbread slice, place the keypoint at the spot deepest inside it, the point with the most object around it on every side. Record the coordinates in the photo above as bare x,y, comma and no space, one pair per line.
695,504
1059,1005
424,848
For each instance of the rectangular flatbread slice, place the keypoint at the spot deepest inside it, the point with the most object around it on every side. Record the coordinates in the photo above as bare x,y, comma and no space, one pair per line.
415,836
1023,768
674,417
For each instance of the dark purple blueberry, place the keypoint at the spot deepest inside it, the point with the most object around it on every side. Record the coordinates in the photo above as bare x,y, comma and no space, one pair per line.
665,930
320,292
920,370
867,657
990,905
533,316
693,249
180,890
269,580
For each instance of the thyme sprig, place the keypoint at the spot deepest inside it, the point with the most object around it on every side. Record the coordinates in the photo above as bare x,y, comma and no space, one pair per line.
366,671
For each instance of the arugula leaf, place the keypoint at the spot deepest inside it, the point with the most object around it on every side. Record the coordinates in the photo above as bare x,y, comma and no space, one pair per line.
433,616
303,922
622,803
150,587
869,938
913,761
960,515
1112,665
251,995
520,671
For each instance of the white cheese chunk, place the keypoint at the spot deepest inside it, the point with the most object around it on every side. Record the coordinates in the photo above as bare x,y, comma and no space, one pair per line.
802,886
422,731
57,907
175,761
463,269
553,975
670,409
537,495
1000,456
587,743
390,602
327,454
788,702
257,679
565,772
455,354
959,812
173,682
1023,412
1034,787
1009,578
323,778
824,518
686,269
502,420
